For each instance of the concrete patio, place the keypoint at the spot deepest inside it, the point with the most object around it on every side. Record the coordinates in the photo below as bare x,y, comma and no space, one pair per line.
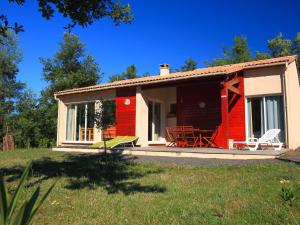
205,153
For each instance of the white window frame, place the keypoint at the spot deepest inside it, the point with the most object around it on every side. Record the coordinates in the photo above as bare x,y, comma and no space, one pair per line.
160,139
265,113
85,122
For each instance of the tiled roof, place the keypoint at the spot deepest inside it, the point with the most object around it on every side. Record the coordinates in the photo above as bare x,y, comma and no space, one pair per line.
209,71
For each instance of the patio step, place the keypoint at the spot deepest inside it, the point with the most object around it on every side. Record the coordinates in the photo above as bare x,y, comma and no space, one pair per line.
182,152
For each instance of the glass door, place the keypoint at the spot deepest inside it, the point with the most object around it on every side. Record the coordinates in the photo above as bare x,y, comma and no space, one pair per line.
80,122
264,113
154,121
255,117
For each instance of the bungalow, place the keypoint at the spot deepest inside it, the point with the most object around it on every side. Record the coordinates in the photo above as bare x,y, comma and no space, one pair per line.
235,101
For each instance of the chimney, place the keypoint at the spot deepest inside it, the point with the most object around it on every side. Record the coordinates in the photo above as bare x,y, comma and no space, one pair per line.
164,69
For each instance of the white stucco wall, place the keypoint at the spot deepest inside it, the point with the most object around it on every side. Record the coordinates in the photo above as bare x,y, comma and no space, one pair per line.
293,105
164,96
141,125
263,80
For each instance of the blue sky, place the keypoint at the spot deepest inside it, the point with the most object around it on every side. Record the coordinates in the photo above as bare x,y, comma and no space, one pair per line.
167,31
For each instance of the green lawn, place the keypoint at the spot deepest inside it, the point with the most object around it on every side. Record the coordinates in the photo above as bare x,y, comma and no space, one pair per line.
90,191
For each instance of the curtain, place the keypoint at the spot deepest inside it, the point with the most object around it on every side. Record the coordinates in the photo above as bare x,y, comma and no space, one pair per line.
275,117
71,124
262,118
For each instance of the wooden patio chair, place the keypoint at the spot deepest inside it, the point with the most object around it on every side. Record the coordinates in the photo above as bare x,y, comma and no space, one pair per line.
177,132
171,136
190,139
210,139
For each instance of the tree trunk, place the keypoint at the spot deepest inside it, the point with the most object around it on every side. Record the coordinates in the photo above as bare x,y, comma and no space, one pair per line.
104,141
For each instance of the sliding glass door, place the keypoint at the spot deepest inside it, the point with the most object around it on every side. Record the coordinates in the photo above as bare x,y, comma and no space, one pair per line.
80,122
154,121
264,113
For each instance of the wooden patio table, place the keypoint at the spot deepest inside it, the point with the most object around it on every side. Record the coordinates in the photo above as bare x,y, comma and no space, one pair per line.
201,133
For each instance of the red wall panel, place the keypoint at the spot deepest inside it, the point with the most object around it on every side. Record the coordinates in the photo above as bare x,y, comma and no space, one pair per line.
125,114
189,111
230,126
236,109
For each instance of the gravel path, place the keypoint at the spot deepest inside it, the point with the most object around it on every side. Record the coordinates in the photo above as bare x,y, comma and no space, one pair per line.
201,162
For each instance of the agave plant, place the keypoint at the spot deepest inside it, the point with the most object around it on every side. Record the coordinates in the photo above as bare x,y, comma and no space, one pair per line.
15,212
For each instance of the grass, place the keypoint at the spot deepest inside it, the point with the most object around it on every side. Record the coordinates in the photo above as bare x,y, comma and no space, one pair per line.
93,190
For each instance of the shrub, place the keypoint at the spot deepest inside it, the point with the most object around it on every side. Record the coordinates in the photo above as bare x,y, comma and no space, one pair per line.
15,212
288,194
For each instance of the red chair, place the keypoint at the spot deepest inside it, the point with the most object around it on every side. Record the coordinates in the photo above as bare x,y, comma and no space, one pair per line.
209,139
190,139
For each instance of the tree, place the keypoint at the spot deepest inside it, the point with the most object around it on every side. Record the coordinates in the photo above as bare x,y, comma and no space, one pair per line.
261,55
240,50
189,64
83,13
296,48
280,47
10,57
104,117
115,77
71,67
146,74
24,122
238,53
130,73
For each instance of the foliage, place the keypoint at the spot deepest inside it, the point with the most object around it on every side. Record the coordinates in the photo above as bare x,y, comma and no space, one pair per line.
261,55
239,52
146,74
280,47
6,27
189,64
83,13
14,212
290,190
104,116
25,121
288,194
296,44
71,67
296,48
10,56
130,73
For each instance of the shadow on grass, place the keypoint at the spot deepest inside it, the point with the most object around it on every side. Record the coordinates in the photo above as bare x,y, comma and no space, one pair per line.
114,172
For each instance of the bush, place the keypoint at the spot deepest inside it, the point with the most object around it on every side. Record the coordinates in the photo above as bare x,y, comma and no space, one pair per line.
15,212
288,194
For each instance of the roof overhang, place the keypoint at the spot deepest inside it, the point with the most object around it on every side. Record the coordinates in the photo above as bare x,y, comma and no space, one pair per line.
178,76
130,84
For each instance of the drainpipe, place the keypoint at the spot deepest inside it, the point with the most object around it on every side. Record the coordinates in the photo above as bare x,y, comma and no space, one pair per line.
285,107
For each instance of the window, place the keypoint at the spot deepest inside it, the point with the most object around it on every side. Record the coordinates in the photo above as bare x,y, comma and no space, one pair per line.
109,110
172,109
80,122
265,113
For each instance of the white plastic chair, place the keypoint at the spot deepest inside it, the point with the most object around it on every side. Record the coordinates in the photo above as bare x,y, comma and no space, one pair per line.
270,138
